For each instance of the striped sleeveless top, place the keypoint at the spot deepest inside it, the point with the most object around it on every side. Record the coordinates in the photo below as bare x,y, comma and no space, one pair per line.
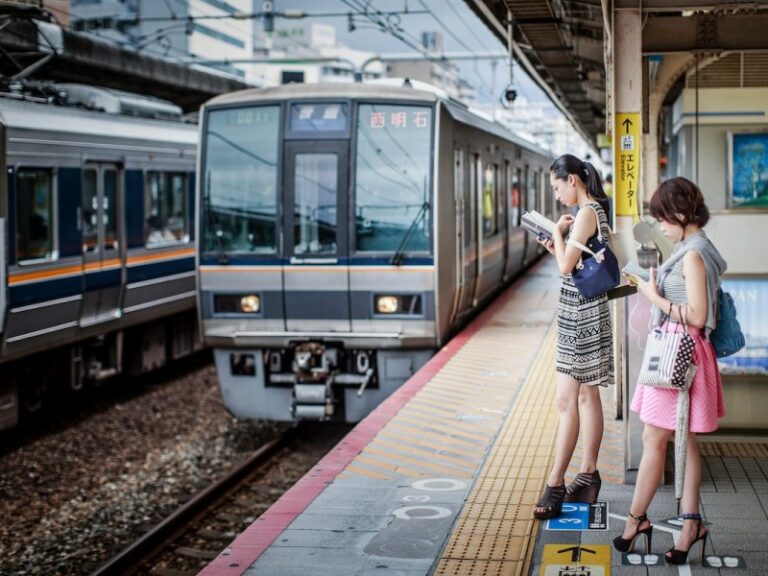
674,285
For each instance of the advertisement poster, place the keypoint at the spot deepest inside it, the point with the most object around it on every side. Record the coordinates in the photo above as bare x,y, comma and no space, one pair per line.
749,179
751,300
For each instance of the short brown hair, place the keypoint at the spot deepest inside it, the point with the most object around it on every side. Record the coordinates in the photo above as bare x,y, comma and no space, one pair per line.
678,200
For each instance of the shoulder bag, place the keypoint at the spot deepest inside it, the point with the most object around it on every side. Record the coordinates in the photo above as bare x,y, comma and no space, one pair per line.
598,272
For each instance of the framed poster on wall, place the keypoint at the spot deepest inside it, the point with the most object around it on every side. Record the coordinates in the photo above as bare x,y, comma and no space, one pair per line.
751,299
748,169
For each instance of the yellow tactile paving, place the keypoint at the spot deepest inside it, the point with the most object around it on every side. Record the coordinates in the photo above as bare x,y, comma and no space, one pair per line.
509,483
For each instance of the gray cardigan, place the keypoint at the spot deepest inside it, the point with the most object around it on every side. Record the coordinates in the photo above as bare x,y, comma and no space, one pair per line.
714,265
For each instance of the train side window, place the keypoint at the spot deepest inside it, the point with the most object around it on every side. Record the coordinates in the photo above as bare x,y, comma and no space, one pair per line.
165,208
513,181
34,214
489,200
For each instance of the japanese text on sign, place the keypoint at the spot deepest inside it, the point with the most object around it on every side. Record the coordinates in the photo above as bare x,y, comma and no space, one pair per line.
627,163
413,119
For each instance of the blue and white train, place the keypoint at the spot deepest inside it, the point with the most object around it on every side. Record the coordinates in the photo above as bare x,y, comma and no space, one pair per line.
97,242
347,232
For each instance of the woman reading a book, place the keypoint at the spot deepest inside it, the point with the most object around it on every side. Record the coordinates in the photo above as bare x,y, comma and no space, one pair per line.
584,359
683,291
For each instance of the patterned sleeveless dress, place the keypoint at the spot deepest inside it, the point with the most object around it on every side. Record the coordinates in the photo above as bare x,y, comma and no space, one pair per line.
658,407
584,333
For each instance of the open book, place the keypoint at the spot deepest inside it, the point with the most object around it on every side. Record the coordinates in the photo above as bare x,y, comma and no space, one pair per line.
537,224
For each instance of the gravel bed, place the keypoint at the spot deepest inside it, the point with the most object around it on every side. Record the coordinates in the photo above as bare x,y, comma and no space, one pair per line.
72,499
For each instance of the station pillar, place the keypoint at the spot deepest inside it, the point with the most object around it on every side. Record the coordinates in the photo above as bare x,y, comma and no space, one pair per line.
626,63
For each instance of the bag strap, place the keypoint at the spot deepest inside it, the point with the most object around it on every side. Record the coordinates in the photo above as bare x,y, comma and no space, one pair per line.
599,255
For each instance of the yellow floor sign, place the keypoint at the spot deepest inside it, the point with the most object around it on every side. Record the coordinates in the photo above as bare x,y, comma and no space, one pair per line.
576,560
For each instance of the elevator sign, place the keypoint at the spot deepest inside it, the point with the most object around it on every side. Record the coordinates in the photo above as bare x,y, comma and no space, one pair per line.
626,163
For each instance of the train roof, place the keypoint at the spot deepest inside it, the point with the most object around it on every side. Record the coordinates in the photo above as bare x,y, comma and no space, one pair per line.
25,115
386,88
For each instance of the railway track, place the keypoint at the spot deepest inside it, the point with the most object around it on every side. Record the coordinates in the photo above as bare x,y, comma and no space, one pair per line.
199,530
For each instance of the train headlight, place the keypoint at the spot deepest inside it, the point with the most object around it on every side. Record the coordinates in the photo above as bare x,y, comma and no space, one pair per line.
250,304
387,304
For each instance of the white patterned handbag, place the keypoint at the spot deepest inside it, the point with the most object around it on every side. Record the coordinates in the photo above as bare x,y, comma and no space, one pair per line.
668,360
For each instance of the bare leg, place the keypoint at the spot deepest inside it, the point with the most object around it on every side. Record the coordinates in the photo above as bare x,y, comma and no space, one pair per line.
649,474
691,492
591,414
567,402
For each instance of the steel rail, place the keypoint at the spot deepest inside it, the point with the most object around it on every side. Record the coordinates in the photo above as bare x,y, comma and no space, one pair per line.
153,542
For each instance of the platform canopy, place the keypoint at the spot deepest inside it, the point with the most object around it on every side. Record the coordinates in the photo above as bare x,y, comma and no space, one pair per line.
564,44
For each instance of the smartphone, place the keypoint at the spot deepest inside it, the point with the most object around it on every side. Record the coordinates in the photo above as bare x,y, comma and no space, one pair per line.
635,272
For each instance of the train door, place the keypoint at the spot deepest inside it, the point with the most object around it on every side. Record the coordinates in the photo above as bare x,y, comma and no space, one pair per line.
470,234
101,233
463,236
316,281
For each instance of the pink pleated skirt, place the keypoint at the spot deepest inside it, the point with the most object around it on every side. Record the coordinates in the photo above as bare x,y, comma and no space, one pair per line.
659,407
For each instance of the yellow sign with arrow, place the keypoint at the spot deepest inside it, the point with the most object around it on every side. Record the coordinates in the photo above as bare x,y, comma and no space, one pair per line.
626,163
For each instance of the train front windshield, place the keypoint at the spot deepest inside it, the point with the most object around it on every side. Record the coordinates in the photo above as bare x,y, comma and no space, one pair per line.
391,181
393,170
240,180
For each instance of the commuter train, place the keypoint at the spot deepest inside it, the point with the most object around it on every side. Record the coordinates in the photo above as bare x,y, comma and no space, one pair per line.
96,241
347,232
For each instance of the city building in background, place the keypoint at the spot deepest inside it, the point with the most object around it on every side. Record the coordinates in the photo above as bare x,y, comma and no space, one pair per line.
315,56
212,35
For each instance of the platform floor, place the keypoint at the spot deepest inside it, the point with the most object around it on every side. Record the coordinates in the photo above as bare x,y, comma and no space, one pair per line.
442,477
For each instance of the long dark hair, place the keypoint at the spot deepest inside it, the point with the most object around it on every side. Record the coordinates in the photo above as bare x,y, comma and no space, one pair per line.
568,164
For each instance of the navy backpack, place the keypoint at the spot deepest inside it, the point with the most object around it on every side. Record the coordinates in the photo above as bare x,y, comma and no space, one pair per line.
727,337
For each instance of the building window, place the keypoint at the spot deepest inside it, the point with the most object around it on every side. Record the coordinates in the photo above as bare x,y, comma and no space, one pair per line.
221,5
292,77
165,208
34,214
218,35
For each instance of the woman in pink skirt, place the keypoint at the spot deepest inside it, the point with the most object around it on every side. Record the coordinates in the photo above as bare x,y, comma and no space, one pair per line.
683,291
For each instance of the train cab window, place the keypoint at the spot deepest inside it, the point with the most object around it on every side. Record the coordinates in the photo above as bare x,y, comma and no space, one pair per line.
34,214
393,184
240,180
489,200
315,183
165,208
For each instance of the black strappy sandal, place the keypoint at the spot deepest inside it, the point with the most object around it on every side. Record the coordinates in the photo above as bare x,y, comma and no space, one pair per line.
675,556
584,488
551,502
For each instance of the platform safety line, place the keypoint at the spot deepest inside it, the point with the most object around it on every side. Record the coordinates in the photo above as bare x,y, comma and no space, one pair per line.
532,412
468,455
464,465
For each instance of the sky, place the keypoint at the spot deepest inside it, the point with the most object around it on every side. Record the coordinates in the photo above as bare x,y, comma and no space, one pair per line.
462,31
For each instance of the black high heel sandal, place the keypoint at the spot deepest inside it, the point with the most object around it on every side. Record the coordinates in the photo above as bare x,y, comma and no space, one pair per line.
551,501
675,556
628,544
584,488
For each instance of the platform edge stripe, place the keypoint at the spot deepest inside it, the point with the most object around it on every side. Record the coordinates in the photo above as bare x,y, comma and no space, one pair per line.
255,539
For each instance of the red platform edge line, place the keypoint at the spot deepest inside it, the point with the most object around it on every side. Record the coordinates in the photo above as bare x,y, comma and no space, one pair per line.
249,545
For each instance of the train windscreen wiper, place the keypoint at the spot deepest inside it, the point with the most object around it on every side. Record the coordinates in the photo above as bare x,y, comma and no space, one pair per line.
397,258
214,221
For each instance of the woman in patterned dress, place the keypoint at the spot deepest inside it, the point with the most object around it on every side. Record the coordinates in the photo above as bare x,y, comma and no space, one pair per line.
584,338
683,291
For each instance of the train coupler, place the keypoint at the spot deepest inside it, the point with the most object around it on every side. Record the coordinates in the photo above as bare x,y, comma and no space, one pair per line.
313,401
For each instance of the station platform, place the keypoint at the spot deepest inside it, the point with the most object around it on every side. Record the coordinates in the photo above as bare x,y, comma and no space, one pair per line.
442,477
